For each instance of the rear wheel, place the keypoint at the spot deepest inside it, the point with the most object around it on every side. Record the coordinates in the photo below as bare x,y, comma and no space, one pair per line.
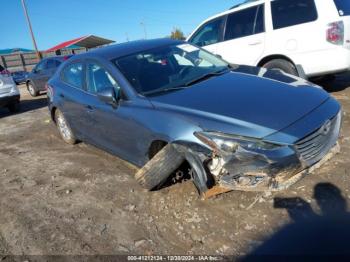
64,128
283,65
14,107
31,89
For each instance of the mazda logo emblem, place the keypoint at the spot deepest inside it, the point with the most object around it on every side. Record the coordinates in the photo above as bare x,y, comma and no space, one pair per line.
326,128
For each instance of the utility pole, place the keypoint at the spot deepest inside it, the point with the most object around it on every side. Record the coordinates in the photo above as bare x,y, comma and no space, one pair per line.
31,30
127,37
144,28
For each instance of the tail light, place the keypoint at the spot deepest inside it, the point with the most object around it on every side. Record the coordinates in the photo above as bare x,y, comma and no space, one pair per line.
5,73
335,33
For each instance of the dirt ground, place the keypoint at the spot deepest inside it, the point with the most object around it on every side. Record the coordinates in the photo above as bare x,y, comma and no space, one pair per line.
59,199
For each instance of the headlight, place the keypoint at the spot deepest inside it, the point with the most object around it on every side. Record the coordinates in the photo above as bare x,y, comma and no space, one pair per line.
229,143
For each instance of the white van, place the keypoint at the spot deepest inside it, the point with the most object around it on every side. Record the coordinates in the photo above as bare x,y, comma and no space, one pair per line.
301,37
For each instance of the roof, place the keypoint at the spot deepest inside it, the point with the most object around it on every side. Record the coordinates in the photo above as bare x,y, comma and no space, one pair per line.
89,41
14,50
127,48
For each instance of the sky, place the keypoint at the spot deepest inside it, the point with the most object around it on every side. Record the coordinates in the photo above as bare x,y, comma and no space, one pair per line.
56,21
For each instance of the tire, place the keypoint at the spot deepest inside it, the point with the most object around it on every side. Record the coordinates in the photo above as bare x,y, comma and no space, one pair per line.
32,90
283,65
64,128
14,107
159,168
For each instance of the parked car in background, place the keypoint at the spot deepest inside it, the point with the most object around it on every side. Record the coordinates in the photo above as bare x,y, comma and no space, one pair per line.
19,77
41,73
305,38
242,127
9,93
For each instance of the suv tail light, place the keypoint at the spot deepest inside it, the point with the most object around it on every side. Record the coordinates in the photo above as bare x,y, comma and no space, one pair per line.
335,33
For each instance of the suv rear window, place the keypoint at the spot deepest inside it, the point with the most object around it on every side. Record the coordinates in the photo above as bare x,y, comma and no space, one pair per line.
292,12
343,7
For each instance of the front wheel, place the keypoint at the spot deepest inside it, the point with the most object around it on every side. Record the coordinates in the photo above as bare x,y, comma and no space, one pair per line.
31,89
64,128
283,65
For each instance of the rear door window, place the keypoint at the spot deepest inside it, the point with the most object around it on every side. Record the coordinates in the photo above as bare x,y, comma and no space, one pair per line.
73,75
343,7
51,64
246,22
208,34
287,13
41,66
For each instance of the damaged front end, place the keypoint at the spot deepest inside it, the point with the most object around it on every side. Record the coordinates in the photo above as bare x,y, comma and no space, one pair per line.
247,164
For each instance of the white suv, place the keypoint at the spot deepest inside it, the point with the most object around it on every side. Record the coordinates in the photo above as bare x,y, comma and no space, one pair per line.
301,37
9,93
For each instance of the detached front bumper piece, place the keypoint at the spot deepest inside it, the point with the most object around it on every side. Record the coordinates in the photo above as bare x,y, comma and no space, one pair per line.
280,181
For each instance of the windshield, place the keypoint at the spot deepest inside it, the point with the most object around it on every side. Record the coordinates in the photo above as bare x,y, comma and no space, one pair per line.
168,68
343,7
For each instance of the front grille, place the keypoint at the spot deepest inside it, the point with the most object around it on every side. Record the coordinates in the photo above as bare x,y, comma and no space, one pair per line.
316,145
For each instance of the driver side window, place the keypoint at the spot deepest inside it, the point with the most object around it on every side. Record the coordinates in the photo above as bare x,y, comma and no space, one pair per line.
41,66
98,79
208,34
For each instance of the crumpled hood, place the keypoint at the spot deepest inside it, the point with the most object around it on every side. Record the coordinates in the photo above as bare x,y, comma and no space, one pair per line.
243,104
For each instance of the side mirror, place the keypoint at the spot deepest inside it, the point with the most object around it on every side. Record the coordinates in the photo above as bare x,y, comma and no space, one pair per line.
109,96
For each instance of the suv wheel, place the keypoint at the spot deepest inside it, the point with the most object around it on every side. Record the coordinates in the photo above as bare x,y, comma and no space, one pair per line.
64,128
14,107
31,89
283,65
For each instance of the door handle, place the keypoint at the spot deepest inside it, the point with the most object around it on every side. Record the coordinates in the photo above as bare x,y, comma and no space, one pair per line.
62,95
256,43
89,108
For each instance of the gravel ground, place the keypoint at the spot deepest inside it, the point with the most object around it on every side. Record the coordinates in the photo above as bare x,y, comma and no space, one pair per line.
59,199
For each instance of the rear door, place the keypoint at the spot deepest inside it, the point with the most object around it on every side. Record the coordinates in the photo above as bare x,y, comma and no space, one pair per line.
73,97
38,74
209,34
244,36
297,32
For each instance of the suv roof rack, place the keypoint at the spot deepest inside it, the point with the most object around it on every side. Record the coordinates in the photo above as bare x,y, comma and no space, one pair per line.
243,3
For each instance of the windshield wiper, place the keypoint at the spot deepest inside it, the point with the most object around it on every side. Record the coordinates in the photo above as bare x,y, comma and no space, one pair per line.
206,76
186,85
164,90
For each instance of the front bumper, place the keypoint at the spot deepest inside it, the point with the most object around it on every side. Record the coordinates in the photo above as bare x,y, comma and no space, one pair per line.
263,170
8,100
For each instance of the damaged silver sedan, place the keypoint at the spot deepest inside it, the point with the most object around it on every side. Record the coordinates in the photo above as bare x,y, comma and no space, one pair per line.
159,103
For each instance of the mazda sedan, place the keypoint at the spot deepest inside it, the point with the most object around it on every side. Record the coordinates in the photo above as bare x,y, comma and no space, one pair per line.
238,127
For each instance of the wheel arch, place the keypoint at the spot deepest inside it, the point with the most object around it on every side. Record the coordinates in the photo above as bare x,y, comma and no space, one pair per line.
269,58
52,113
